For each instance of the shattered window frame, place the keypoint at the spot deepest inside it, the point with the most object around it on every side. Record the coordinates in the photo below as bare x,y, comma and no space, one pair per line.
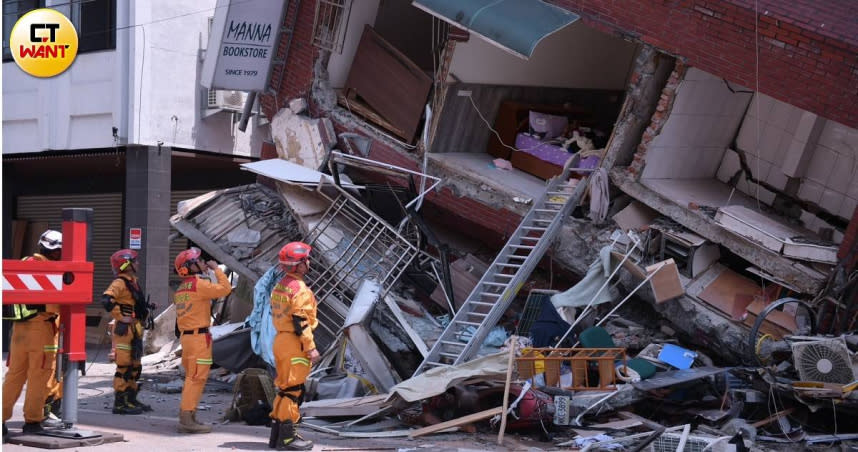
348,234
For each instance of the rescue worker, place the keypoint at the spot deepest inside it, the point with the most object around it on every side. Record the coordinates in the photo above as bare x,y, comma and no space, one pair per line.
293,312
33,349
125,302
193,300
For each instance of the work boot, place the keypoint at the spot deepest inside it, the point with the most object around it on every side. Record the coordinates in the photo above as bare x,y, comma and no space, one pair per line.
287,439
132,399
32,427
188,425
52,421
275,432
122,406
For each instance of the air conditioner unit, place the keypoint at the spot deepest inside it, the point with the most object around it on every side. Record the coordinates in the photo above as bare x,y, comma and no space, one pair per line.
226,99
826,361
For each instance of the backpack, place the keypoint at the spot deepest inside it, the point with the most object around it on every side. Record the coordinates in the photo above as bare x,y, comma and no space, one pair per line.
252,397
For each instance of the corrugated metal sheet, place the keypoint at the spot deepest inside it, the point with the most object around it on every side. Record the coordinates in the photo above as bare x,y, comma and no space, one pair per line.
208,220
106,228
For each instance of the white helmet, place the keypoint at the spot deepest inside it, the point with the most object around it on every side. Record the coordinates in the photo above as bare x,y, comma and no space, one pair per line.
51,240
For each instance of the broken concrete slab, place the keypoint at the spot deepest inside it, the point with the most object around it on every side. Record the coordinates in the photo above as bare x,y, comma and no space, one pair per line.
353,406
705,327
210,218
302,140
804,278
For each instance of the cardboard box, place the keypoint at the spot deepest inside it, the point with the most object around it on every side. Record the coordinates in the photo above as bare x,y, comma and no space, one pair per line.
635,216
665,284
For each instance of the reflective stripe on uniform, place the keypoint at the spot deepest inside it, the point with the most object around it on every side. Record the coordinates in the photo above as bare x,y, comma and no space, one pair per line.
51,348
303,361
204,361
123,346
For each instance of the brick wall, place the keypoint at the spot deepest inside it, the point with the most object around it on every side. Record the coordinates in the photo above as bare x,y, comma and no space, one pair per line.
659,118
807,50
302,54
489,225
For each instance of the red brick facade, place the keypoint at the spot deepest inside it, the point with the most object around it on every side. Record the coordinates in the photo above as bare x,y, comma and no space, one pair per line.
302,55
807,54
460,212
808,50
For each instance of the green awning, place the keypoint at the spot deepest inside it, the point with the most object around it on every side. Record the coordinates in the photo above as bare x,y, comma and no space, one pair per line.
513,25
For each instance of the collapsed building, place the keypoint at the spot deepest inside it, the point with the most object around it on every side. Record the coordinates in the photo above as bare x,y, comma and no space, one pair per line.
679,156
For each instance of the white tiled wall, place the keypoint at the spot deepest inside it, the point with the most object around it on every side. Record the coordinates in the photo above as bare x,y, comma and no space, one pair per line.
776,136
834,167
703,121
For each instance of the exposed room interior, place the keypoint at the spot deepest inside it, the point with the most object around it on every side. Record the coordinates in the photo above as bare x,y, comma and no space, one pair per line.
746,168
573,85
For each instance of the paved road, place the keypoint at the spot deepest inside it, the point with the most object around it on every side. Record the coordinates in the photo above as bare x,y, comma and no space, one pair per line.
156,431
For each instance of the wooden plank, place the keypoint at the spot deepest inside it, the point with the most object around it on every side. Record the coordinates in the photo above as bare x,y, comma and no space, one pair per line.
389,82
773,418
456,422
731,293
506,391
356,106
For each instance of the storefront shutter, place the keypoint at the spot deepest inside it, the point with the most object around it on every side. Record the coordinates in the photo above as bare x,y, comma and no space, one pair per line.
106,228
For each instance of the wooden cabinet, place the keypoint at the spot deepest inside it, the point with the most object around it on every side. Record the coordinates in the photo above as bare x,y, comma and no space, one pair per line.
511,119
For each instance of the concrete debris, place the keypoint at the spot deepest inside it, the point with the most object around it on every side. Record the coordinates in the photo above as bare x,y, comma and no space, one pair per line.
706,338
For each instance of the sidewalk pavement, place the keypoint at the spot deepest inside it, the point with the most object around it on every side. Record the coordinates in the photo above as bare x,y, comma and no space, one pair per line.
156,431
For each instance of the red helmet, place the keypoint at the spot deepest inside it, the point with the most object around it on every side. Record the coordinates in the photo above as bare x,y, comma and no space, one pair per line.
294,252
121,259
186,258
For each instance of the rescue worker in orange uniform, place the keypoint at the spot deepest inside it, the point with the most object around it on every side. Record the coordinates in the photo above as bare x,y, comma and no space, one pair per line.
193,300
33,350
293,312
125,302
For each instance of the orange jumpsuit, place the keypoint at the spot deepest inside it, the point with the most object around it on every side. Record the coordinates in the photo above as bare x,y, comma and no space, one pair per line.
193,301
32,360
128,365
292,302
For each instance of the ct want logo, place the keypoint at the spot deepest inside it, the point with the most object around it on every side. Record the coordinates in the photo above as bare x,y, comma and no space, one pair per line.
43,42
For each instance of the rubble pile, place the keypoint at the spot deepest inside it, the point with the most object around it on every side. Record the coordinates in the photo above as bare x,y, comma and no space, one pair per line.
597,365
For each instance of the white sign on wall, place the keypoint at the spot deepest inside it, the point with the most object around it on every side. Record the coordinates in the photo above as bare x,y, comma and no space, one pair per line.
242,43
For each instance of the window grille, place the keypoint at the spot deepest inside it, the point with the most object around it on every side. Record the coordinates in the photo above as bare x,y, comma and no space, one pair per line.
211,98
331,23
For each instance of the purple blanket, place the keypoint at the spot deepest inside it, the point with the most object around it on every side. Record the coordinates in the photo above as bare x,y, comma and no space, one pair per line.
550,153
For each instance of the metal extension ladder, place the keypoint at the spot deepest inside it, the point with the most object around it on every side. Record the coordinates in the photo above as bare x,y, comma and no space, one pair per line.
496,289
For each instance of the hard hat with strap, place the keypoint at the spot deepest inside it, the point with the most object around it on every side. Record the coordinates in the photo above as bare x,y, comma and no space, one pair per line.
120,260
185,259
294,252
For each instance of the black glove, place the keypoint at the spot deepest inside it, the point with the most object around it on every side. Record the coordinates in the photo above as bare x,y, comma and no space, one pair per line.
297,323
121,328
107,302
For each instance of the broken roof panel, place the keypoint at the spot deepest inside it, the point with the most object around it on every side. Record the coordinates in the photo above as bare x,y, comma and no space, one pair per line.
242,227
290,173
